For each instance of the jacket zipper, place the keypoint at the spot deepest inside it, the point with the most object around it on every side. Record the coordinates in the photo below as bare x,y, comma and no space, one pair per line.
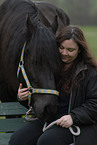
69,112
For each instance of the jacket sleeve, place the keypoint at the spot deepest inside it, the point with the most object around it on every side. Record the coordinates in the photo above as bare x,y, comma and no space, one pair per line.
86,113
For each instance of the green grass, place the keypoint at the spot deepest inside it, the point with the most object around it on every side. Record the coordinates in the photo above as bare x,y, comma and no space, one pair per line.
91,37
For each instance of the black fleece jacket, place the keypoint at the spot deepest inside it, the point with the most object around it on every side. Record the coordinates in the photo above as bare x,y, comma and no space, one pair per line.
83,99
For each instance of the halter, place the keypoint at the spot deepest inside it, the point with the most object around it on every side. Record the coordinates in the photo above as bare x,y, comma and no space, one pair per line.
30,88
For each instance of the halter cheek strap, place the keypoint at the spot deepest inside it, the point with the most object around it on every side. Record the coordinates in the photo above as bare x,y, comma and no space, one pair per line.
30,88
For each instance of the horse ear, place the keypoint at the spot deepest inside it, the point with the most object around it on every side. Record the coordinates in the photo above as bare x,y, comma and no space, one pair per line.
44,19
54,25
30,26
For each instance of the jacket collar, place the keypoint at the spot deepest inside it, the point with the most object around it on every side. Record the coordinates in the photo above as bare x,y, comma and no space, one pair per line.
80,68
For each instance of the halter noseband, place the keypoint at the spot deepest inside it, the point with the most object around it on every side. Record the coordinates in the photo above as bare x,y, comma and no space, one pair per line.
30,88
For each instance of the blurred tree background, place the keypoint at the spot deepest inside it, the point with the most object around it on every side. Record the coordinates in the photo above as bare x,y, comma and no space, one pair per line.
82,13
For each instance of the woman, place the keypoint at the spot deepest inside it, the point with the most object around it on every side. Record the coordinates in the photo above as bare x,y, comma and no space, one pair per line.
77,100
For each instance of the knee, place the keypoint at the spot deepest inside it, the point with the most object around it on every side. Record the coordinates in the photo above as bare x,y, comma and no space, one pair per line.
15,139
44,140
41,141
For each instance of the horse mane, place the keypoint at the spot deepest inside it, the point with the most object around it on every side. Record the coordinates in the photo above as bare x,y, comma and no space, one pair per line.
43,50
13,25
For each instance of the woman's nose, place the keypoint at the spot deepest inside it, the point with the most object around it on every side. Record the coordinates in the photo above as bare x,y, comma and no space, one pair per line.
65,52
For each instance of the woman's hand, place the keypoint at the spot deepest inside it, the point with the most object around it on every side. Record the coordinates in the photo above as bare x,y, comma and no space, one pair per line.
22,93
65,121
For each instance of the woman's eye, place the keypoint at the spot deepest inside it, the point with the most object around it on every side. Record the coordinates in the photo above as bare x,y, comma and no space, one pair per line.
61,47
70,49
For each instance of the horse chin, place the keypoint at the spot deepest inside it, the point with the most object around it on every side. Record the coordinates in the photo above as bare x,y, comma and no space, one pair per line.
46,112
46,116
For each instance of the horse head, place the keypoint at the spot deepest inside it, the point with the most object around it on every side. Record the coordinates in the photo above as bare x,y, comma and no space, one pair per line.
42,62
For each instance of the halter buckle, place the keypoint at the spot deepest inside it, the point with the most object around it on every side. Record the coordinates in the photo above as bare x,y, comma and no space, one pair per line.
31,90
21,63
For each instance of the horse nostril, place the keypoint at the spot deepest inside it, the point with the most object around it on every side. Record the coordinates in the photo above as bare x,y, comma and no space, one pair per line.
47,109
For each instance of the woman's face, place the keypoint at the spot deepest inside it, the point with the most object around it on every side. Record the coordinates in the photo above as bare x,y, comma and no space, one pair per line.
69,50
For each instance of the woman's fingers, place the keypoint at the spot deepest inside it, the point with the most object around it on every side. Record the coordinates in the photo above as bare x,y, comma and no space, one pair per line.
22,92
20,87
65,121
24,95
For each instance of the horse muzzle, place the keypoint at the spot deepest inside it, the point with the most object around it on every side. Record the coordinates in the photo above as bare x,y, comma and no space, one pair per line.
46,108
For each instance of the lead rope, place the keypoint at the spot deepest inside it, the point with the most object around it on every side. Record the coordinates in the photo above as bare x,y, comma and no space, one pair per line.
27,113
78,131
70,128
52,123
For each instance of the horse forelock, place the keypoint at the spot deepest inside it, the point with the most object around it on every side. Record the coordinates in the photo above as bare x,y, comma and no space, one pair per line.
43,48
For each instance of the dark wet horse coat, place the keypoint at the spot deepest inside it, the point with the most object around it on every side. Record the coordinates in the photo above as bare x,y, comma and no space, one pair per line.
19,22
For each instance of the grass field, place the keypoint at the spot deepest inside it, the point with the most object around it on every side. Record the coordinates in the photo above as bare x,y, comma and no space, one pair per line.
91,37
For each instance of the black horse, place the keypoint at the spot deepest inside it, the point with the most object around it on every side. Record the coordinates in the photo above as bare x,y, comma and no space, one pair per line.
20,22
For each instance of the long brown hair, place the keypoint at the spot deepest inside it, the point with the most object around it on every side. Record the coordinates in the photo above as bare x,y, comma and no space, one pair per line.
75,33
